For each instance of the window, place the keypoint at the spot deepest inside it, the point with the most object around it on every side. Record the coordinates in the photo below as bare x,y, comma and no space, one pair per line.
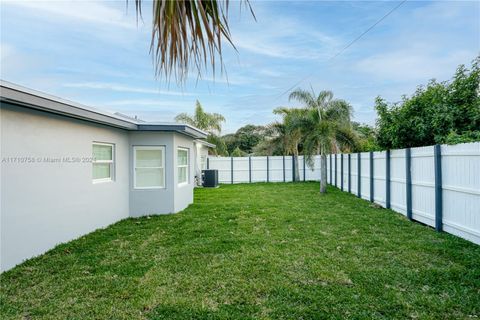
182,165
102,162
149,167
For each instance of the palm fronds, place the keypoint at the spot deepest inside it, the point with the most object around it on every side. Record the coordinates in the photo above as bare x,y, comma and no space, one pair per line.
188,34
210,122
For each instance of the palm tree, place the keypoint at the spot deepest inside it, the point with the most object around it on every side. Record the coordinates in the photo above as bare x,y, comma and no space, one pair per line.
188,33
292,134
209,122
326,127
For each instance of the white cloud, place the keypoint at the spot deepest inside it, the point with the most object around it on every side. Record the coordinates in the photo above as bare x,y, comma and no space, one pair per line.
122,88
282,36
156,103
95,12
413,65
16,64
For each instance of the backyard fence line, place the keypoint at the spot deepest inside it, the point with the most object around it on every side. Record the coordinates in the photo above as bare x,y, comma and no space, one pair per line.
436,185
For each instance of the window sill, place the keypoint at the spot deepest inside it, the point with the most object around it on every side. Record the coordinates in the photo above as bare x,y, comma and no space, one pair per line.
98,181
183,184
148,188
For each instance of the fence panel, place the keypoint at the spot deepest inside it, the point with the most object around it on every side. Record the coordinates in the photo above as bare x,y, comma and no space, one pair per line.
328,167
222,164
461,190
313,173
398,186
423,185
365,175
259,169
344,172
379,181
240,170
455,207
288,168
354,173
276,169
337,177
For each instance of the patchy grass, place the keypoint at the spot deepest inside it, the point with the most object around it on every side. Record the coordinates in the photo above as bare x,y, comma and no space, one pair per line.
260,251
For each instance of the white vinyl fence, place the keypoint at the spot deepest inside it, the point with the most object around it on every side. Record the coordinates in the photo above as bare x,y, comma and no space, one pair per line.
435,185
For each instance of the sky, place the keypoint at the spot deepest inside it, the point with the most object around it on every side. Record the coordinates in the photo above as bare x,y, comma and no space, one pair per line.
95,53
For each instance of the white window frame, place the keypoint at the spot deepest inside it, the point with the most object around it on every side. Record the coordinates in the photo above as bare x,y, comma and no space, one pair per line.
135,148
184,166
111,162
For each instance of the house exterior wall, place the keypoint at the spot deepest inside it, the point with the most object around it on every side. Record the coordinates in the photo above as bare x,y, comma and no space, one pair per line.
201,150
184,192
47,192
44,203
153,201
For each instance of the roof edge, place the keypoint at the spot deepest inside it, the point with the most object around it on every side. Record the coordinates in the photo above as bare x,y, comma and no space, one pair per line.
33,99
206,143
29,98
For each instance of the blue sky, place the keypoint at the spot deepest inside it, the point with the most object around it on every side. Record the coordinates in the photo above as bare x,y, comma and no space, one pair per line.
94,53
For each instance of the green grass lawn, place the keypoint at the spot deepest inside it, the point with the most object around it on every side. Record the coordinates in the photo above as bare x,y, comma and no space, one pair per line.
259,251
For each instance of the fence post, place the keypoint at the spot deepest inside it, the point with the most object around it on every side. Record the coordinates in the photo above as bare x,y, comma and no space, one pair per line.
331,177
250,169
387,180
359,174
208,163
349,175
231,168
293,168
438,188
268,170
283,168
372,198
304,168
408,182
335,170
341,171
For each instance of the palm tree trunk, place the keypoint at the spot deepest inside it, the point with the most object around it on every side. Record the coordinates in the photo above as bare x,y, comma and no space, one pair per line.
297,169
323,170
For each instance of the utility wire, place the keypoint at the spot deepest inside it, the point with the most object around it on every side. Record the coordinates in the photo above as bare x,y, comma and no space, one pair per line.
348,45
366,31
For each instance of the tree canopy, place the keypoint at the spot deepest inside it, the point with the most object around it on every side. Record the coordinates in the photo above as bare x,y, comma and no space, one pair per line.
445,112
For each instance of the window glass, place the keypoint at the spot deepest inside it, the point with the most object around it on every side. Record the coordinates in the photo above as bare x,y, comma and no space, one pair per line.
182,165
182,157
101,171
149,158
102,152
102,162
149,177
149,167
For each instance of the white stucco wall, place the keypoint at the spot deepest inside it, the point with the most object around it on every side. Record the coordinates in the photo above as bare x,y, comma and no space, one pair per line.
47,203
47,193
153,201
184,192
201,150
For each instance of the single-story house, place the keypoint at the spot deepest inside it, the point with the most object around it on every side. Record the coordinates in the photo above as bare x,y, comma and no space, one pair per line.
68,169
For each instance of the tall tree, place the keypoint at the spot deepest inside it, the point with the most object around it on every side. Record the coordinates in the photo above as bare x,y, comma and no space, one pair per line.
188,34
292,134
209,122
274,142
326,127
245,138
440,112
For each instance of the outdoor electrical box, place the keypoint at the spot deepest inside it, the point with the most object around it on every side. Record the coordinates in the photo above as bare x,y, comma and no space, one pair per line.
210,178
